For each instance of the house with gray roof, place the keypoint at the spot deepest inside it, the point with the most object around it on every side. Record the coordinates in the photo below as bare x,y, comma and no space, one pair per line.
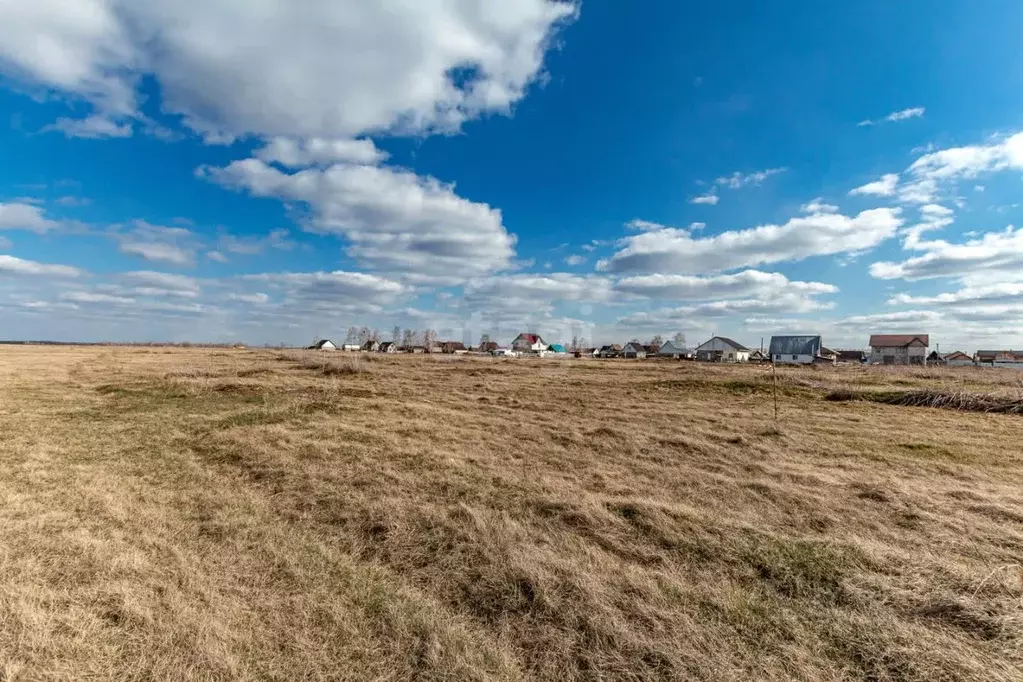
796,350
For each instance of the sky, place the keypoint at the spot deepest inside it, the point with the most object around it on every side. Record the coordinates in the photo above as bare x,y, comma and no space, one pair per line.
269,172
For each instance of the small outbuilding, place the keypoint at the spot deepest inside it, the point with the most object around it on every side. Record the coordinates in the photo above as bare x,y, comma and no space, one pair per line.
323,344
670,349
557,348
957,359
634,350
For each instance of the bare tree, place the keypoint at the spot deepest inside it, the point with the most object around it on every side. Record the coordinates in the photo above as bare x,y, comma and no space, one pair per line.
364,334
575,343
582,343
484,340
429,338
353,335
657,341
680,340
374,335
396,334
408,339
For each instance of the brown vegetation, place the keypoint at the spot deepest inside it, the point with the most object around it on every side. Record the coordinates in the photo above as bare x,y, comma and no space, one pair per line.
229,514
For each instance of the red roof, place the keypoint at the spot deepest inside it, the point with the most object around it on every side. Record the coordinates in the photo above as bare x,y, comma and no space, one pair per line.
898,340
531,338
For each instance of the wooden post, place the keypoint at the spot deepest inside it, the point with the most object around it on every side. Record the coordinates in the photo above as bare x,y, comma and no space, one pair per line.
774,376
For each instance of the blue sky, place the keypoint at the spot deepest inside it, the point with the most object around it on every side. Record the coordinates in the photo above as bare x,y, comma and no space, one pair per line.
219,171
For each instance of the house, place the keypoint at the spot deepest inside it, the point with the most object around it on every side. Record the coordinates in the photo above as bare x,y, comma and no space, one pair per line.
759,356
488,347
351,347
722,349
1000,358
795,350
634,350
957,359
652,349
323,344
504,352
587,353
611,351
899,349
829,354
418,350
857,356
557,348
670,349
371,346
528,343
450,347
388,347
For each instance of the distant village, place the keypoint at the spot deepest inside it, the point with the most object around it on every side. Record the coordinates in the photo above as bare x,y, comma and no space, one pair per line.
884,349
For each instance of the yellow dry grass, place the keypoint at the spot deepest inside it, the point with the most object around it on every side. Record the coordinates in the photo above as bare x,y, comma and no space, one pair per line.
212,514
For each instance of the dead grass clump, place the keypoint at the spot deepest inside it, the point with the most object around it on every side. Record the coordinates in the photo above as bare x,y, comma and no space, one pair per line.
964,401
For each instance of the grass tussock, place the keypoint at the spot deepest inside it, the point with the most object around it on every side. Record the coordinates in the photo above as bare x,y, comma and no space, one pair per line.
200,514
950,400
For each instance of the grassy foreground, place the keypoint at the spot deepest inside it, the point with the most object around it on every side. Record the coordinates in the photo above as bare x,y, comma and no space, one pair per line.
214,514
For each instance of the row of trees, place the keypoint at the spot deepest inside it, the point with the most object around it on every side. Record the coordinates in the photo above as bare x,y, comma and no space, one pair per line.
409,338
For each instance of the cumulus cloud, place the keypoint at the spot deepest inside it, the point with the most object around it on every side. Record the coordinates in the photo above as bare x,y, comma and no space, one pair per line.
253,246
332,69
9,265
158,243
749,283
993,253
818,206
885,187
710,199
22,216
575,260
149,283
932,170
92,297
671,250
93,127
697,315
394,221
337,290
319,151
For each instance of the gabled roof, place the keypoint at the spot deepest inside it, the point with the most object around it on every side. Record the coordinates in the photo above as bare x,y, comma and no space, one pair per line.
322,342
529,338
452,345
956,355
796,345
1017,354
614,347
898,340
556,347
369,344
635,346
384,345
724,339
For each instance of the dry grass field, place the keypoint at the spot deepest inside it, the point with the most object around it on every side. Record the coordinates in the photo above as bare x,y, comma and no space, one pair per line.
229,514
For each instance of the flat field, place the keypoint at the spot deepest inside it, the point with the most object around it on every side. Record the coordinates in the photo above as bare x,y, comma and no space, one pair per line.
213,514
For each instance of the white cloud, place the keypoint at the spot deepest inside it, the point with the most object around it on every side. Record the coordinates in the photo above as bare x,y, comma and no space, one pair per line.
695,227
895,116
216,256
91,297
908,320
746,284
929,172
394,221
575,260
148,283
93,127
173,245
319,151
967,297
818,206
337,290
710,199
158,252
258,298
532,295
885,187
698,315
676,251
738,180
252,246
915,112
5,243
979,188
9,265
992,255
331,69
21,216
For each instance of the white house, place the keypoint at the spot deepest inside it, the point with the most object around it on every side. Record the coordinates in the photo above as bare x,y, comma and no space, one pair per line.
323,344
528,343
672,350
634,350
795,350
352,347
722,349
899,349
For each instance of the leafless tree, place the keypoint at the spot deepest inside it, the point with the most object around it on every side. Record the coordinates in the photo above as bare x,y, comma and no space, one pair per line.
484,340
575,343
657,341
408,339
429,338
680,340
353,335
396,334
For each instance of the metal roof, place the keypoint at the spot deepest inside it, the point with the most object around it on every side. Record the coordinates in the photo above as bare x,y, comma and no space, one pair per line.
898,340
796,345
